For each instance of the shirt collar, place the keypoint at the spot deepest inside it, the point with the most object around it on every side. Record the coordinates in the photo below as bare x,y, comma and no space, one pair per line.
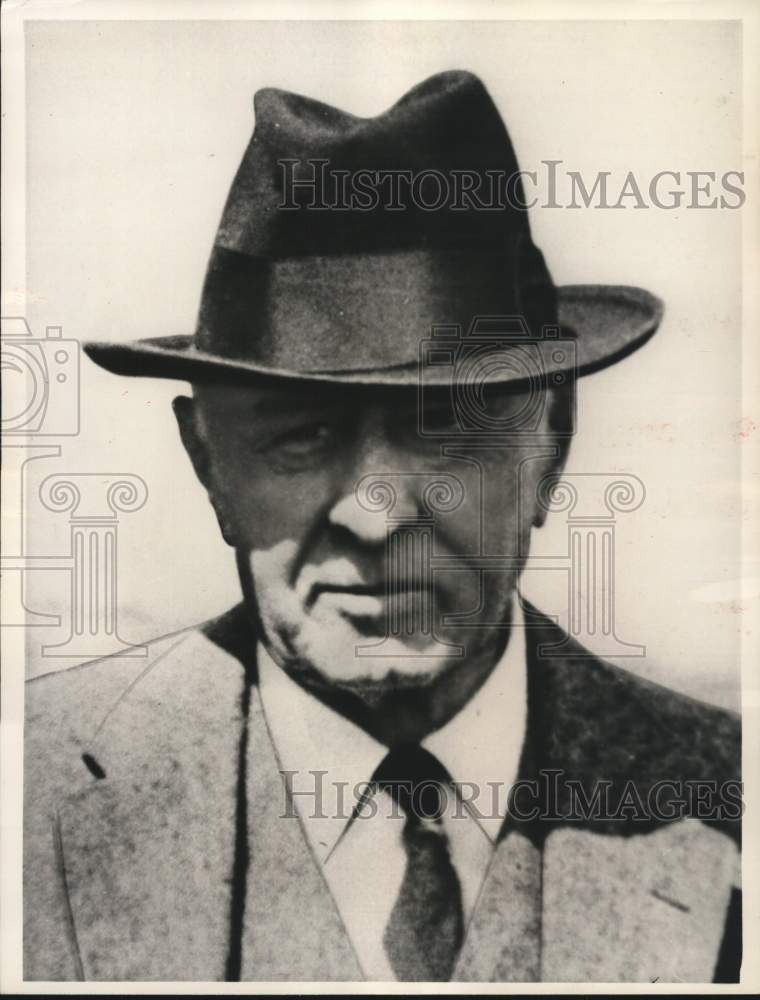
328,756
482,744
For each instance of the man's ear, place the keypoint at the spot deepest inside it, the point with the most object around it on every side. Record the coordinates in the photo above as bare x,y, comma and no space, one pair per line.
197,448
195,445
560,421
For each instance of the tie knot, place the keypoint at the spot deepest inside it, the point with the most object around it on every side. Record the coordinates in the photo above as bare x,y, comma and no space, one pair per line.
413,777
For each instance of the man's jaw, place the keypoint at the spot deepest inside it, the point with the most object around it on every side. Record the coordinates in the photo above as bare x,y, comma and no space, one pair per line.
349,649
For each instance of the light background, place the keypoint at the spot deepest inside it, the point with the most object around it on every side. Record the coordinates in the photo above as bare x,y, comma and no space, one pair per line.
134,131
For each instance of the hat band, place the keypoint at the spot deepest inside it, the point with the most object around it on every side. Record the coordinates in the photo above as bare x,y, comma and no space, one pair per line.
343,313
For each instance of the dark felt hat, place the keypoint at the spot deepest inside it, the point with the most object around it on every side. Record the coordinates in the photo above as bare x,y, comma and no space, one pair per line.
345,240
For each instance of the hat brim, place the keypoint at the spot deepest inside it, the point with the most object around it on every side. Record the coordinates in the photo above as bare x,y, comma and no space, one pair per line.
606,323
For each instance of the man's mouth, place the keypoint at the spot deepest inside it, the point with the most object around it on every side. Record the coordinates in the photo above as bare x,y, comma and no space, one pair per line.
372,600
352,588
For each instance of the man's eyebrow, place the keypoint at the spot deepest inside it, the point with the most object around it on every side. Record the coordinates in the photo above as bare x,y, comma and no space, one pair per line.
266,400
288,400
276,411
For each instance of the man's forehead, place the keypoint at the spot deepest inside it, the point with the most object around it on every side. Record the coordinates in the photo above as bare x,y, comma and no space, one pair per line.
265,398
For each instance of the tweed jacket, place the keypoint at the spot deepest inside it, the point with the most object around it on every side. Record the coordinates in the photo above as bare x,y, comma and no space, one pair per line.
157,846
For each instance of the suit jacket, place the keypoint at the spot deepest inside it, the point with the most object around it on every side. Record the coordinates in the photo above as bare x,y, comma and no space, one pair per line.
157,845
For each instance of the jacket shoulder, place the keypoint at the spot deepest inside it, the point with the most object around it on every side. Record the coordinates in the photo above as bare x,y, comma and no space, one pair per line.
601,725
636,725
65,710
68,705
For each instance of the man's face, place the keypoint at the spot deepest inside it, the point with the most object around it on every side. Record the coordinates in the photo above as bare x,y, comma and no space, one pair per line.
301,481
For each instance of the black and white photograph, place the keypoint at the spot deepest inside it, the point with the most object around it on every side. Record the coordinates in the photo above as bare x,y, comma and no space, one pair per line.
380,554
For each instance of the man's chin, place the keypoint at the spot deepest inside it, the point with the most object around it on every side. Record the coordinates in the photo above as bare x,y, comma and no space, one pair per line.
346,654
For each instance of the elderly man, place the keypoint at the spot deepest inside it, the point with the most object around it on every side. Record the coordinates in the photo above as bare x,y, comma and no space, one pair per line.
310,788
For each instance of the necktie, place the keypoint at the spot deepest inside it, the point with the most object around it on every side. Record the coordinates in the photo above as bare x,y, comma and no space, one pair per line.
424,932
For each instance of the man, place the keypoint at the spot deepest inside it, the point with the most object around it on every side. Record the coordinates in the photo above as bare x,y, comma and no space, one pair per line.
309,788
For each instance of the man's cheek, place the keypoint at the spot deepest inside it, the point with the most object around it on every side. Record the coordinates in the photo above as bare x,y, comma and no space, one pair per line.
258,521
503,511
272,570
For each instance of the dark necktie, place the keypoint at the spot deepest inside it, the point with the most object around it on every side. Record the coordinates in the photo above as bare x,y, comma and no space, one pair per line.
424,932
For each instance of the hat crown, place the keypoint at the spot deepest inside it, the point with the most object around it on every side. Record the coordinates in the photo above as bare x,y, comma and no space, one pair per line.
289,195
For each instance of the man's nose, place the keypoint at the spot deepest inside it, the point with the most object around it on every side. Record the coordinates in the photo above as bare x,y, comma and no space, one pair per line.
373,488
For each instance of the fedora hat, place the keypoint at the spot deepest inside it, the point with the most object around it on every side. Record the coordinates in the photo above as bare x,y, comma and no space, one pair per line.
345,241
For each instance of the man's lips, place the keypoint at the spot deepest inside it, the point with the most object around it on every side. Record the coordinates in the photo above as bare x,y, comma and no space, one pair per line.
367,598
351,588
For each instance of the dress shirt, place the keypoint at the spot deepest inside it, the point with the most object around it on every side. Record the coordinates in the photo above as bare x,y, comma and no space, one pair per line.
363,861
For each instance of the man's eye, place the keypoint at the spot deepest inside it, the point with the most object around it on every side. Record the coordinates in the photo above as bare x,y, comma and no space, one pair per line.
441,418
416,421
438,420
303,443
421,431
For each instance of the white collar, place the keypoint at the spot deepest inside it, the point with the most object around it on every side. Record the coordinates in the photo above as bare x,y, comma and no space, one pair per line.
481,744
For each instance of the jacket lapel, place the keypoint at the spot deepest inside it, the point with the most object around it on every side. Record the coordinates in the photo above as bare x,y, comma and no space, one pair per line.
148,876
292,929
633,900
649,908
594,907
636,903
504,935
